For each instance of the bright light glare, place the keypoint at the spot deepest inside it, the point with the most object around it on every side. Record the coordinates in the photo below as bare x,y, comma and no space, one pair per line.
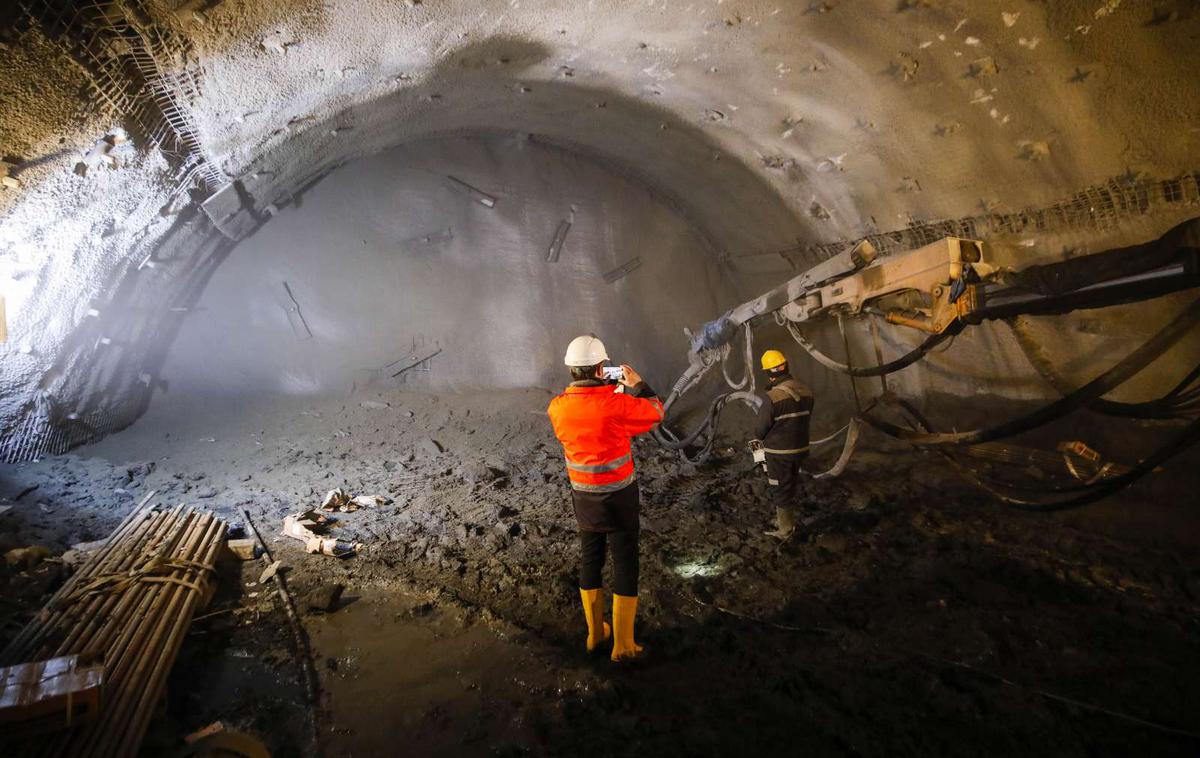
689,570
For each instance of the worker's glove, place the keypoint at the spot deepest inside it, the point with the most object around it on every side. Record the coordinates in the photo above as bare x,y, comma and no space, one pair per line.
759,454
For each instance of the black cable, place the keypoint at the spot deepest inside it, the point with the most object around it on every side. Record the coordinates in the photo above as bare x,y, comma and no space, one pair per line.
1189,436
1087,493
1159,408
890,367
1114,377
1178,389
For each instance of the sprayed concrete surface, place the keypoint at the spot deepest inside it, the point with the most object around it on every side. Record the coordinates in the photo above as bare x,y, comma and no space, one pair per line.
701,138
388,265
760,123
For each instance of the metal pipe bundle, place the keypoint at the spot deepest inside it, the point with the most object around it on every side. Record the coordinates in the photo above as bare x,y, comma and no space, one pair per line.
128,607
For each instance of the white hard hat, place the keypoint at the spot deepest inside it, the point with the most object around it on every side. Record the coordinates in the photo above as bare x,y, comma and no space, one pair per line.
585,351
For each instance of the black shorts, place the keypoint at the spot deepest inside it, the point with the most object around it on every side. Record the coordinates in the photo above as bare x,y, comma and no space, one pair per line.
609,511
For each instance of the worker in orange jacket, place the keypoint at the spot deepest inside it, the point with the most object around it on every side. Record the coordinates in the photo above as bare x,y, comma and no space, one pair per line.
595,419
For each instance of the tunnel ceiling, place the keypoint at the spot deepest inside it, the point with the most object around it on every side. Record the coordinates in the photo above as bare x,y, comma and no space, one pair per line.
762,123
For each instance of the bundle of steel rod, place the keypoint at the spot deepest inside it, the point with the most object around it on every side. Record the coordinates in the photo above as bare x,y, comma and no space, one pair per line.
128,607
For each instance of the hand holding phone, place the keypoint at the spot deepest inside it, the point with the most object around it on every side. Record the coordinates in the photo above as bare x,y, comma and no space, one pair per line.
629,377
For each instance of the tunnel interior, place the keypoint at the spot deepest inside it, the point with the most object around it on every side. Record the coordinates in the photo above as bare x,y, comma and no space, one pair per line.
263,259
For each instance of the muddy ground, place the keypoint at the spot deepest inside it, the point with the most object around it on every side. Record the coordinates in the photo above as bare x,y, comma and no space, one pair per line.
916,616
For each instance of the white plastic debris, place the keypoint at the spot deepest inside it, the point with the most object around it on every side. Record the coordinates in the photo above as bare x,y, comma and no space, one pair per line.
338,500
269,572
832,163
309,526
335,499
100,153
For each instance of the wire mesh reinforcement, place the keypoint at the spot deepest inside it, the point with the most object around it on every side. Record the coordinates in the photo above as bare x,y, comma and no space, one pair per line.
44,430
1098,208
138,69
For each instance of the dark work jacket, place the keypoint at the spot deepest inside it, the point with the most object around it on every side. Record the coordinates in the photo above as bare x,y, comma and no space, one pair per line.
783,419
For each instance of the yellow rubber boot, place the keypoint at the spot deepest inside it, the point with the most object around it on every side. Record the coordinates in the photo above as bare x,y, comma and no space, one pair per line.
785,524
593,611
624,612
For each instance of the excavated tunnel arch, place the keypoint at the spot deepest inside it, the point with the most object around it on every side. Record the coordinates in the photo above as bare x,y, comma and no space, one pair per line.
750,123
262,256
487,252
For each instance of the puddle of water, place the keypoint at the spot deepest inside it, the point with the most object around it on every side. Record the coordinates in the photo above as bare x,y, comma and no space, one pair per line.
401,678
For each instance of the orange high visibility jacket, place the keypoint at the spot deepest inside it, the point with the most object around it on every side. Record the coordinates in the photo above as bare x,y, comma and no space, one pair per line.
594,423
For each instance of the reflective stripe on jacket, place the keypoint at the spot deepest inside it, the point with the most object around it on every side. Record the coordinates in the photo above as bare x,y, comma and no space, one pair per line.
595,423
783,419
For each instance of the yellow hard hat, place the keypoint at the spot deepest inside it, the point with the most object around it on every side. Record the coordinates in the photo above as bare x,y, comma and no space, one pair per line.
773,359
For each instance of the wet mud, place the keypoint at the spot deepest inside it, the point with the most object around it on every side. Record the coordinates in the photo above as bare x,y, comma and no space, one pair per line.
913,616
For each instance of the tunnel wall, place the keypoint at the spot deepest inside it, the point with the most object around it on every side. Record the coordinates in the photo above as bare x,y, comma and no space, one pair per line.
389,261
767,125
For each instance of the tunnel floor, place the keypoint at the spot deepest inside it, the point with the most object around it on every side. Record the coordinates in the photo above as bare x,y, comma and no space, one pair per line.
915,617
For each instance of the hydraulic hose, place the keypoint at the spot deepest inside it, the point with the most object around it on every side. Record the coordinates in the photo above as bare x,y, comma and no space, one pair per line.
1168,406
1106,382
890,367
673,442
709,425
668,439
748,377
1077,496
1090,493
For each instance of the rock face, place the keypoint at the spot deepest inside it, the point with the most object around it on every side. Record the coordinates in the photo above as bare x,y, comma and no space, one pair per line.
522,310
737,123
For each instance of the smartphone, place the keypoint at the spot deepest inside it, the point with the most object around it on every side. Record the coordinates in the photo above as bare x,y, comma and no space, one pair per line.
614,373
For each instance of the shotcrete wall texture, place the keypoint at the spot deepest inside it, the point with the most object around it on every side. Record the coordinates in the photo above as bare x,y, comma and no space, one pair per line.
756,123
390,261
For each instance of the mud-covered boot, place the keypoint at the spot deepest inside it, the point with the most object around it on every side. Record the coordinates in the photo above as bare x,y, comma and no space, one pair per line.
785,524
593,611
624,612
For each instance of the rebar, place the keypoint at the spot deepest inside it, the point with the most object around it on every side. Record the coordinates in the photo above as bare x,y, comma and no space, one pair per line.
136,67
129,606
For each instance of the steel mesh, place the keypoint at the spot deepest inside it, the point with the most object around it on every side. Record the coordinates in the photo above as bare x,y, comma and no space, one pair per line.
137,68
1099,208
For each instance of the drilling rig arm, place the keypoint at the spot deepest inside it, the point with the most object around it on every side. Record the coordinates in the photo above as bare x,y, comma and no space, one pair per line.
955,280
851,279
